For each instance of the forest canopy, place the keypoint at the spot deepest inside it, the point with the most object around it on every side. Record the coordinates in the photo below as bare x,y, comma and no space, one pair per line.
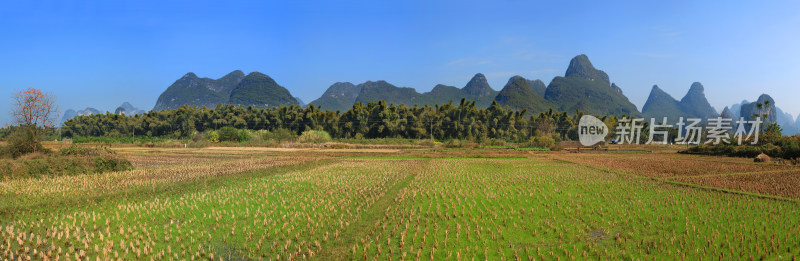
373,120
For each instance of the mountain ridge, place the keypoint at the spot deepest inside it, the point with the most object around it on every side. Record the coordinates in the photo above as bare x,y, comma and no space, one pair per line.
693,105
586,88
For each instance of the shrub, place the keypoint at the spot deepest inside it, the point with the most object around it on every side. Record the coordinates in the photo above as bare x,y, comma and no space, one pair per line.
456,143
792,150
81,151
104,163
315,136
283,135
784,148
427,143
20,143
244,136
494,142
67,162
543,141
263,134
228,133
213,136
73,150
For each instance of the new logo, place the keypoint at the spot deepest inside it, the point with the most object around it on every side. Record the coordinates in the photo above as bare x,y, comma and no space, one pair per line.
591,130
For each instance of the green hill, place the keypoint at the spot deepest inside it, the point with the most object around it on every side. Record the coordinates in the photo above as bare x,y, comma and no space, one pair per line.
476,89
586,88
254,89
538,86
382,90
660,104
693,105
193,90
696,104
260,90
517,94
338,97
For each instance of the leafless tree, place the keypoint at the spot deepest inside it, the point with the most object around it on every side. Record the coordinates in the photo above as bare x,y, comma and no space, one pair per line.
34,111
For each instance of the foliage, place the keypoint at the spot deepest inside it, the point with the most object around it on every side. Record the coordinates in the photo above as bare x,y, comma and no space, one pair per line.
69,161
21,142
213,136
34,111
86,151
243,136
281,135
120,139
315,136
544,141
106,163
783,147
457,143
772,133
463,121
228,133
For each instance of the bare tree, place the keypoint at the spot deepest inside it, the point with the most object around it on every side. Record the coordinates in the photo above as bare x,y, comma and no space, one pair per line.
35,111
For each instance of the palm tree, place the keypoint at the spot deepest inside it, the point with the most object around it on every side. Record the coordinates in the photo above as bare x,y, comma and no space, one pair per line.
759,105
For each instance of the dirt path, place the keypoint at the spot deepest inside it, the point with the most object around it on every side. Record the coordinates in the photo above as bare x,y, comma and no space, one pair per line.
339,249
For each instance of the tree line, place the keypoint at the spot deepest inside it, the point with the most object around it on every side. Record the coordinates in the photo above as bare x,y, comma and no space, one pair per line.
448,121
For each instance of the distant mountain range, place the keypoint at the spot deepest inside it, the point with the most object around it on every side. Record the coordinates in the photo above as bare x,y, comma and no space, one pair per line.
773,113
128,109
70,113
342,95
583,87
125,109
693,105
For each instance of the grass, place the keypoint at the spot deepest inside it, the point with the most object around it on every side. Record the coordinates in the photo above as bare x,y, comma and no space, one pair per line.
402,206
122,140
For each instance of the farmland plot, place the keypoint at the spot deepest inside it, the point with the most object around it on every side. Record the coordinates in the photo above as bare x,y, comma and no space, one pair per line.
523,209
288,216
395,208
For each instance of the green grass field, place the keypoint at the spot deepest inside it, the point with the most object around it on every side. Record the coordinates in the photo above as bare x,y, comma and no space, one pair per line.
307,204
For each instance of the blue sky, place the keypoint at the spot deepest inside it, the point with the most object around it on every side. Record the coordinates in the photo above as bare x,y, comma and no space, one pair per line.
102,53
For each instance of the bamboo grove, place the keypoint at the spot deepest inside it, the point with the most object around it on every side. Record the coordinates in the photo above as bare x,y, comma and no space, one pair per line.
374,120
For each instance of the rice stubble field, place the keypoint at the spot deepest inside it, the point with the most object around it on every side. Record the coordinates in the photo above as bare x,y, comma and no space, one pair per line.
243,204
